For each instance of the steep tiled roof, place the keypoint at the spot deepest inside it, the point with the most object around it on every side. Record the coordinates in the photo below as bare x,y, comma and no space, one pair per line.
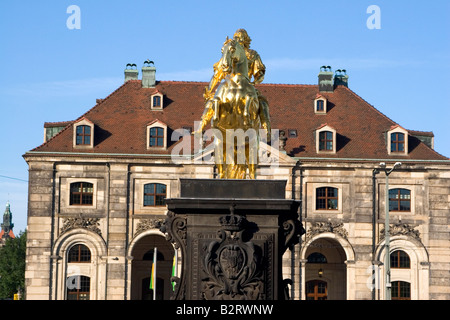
10,234
121,120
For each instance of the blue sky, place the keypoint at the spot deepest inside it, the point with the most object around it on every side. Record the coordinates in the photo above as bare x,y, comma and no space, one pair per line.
53,73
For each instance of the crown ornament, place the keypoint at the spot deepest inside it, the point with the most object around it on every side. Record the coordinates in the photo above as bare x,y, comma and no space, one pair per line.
232,222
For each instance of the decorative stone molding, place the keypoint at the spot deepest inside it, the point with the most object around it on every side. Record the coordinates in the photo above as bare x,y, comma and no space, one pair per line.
174,227
232,267
147,224
401,229
90,224
321,227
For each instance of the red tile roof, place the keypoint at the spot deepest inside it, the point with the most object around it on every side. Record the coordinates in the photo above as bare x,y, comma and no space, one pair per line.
121,120
10,234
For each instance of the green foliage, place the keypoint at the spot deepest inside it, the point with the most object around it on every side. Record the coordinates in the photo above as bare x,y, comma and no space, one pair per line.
12,267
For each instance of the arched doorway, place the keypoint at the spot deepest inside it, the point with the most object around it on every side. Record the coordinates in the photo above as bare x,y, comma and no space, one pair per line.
325,270
141,268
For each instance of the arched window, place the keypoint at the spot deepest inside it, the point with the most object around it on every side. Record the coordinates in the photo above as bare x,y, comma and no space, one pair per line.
400,290
78,287
319,105
326,141
400,259
148,256
397,142
156,137
317,257
83,136
81,194
154,194
79,253
400,200
326,198
156,102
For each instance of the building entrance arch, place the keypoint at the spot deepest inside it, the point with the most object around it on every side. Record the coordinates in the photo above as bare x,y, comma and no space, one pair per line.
328,264
142,253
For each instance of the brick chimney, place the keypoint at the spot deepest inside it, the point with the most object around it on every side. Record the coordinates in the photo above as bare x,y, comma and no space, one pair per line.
148,74
131,72
326,79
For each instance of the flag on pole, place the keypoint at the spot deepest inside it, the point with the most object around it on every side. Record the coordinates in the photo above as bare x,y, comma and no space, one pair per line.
153,275
174,268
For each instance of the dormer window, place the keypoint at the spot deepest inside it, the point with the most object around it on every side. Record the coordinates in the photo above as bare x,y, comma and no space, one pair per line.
157,101
326,139
320,105
397,141
83,134
156,135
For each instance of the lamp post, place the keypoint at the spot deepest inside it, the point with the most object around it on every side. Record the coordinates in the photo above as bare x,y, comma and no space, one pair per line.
387,263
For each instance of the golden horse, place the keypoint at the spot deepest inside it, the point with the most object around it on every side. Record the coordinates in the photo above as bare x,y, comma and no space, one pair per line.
234,111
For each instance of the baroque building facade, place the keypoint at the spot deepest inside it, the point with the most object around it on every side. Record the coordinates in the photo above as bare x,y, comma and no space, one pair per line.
98,184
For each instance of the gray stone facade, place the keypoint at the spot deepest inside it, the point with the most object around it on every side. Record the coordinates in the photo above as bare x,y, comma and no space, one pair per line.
112,227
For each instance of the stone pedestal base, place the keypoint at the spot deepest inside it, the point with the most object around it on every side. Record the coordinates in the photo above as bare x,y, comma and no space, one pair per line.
232,235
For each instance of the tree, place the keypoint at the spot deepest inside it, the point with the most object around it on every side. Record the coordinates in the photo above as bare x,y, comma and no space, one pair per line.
12,266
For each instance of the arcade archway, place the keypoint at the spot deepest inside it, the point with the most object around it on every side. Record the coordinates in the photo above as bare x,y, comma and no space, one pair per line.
141,268
325,270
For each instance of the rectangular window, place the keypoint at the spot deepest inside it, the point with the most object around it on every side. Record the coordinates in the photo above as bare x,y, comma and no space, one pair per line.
400,200
326,198
156,137
156,102
326,141
319,104
78,287
397,142
81,193
154,194
83,135
401,290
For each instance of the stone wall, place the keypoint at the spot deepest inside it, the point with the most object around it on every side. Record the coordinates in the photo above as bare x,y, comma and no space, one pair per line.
118,211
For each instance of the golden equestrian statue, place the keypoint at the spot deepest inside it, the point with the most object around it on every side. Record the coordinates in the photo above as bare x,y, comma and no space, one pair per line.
236,109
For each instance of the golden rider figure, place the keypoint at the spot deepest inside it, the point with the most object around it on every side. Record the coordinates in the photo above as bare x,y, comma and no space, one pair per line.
256,71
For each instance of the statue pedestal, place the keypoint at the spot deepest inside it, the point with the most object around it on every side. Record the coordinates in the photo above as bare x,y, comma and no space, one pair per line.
232,235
